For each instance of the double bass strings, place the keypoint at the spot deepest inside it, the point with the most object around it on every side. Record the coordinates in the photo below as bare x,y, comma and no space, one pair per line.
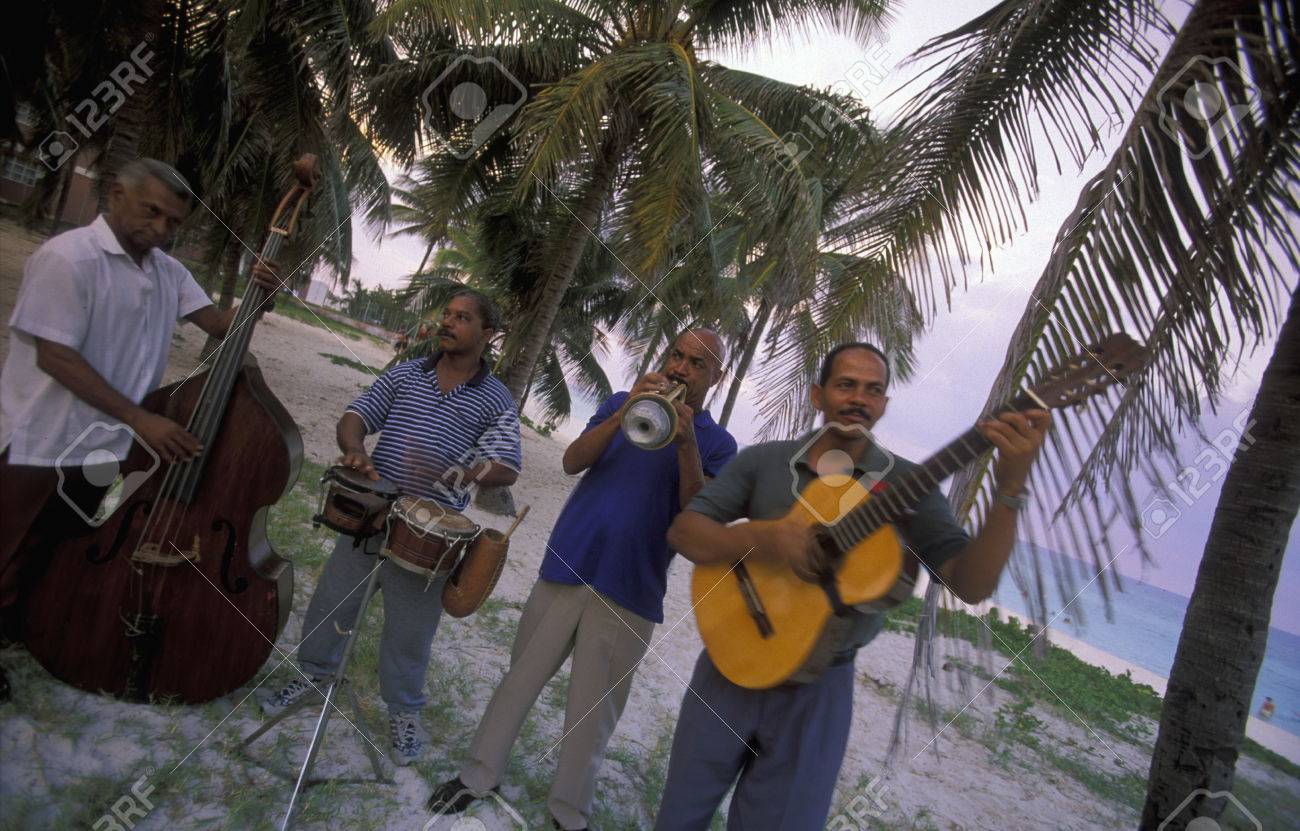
204,423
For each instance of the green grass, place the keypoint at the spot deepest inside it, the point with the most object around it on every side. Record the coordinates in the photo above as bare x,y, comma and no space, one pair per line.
1127,789
339,360
540,429
1111,703
1114,703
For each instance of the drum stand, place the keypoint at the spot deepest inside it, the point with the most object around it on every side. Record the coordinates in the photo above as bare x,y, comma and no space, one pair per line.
336,682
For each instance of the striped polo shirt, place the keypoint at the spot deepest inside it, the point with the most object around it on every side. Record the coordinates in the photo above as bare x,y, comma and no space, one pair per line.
424,433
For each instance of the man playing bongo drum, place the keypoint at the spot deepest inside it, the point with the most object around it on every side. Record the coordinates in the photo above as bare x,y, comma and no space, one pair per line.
444,423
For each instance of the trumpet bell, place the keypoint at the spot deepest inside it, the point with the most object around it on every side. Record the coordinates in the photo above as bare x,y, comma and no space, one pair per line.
651,422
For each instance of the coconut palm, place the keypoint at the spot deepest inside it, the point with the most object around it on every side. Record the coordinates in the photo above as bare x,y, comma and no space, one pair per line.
624,113
571,360
270,83
1187,237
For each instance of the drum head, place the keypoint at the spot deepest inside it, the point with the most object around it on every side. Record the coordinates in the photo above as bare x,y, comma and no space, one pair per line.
427,516
357,480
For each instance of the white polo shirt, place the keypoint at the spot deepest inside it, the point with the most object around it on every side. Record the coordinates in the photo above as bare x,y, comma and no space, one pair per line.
82,290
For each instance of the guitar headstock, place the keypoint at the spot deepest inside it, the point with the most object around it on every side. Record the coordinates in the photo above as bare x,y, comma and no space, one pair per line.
1109,361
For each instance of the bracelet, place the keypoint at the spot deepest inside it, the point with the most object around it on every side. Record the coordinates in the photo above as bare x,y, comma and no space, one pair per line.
1015,503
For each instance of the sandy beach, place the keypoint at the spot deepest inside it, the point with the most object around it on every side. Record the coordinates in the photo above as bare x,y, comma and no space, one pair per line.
66,756
1269,735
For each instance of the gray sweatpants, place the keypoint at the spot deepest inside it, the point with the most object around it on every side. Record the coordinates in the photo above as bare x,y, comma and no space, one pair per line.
607,642
412,608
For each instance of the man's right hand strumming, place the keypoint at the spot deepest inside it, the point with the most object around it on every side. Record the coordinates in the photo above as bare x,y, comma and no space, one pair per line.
789,542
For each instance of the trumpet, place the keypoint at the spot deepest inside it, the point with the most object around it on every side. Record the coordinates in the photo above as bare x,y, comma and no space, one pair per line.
650,420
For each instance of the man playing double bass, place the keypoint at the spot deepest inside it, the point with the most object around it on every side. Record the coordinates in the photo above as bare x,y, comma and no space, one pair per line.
444,423
90,335
601,585
782,747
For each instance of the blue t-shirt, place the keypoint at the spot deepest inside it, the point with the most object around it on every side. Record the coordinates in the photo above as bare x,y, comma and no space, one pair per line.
613,531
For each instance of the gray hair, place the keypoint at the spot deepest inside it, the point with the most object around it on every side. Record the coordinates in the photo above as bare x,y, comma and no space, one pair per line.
134,173
487,309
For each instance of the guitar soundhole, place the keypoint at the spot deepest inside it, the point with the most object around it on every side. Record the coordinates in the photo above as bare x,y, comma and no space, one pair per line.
822,539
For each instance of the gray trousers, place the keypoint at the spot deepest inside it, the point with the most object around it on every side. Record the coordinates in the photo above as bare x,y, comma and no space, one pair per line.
607,642
412,608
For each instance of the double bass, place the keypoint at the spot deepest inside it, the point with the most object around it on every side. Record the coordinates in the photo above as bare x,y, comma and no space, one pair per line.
178,596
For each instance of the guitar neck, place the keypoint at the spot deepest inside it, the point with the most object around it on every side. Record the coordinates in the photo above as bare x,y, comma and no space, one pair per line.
890,504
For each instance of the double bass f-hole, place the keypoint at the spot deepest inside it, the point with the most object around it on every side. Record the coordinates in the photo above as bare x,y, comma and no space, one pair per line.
119,539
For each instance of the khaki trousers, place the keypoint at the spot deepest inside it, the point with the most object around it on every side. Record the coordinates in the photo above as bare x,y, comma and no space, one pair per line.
607,642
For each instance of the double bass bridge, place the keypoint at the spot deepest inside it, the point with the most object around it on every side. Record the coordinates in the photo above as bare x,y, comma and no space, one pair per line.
155,554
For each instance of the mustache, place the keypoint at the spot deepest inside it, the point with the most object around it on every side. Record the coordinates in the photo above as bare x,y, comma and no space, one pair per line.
446,332
857,411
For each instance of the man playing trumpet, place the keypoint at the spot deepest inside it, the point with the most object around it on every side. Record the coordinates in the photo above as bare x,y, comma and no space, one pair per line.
602,583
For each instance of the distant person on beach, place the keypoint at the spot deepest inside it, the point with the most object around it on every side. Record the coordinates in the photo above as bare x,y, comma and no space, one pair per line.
601,587
782,747
432,414
1267,709
91,332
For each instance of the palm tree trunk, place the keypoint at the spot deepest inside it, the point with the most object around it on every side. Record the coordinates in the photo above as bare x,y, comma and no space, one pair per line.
60,204
229,278
425,258
1203,719
751,346
229,275
557,282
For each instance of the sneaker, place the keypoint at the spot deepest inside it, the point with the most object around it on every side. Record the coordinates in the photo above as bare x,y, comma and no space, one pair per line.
408,738
290,694
453,797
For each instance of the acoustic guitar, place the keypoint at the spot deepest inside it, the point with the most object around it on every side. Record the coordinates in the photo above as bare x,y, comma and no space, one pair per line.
763,625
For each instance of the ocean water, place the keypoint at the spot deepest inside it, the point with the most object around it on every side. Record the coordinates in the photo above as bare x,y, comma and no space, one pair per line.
1144,631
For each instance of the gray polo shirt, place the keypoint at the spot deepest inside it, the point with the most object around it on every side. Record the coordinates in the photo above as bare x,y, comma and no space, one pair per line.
762,483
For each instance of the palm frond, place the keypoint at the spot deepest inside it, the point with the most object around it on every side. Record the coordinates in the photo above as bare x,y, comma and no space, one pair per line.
965,154
1188,239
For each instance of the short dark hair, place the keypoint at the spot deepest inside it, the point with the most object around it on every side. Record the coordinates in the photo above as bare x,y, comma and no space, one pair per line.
487,309
135,172
828,362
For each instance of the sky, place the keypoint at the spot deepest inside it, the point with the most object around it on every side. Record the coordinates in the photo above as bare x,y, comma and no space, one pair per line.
959,357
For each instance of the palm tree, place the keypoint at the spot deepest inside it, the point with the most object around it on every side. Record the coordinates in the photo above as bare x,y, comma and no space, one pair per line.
571,360
1187,236
627,114
273,82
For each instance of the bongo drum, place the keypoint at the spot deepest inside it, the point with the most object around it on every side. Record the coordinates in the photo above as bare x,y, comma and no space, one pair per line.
426,538
353,503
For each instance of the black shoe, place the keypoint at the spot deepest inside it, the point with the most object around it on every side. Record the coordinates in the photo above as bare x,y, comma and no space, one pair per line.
555,823
4,685
452,797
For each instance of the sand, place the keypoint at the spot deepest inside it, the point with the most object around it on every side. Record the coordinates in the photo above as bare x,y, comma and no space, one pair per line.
63,750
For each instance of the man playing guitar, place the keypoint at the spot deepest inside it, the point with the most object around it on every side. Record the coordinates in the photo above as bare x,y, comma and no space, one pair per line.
91,332
786,743
601,585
